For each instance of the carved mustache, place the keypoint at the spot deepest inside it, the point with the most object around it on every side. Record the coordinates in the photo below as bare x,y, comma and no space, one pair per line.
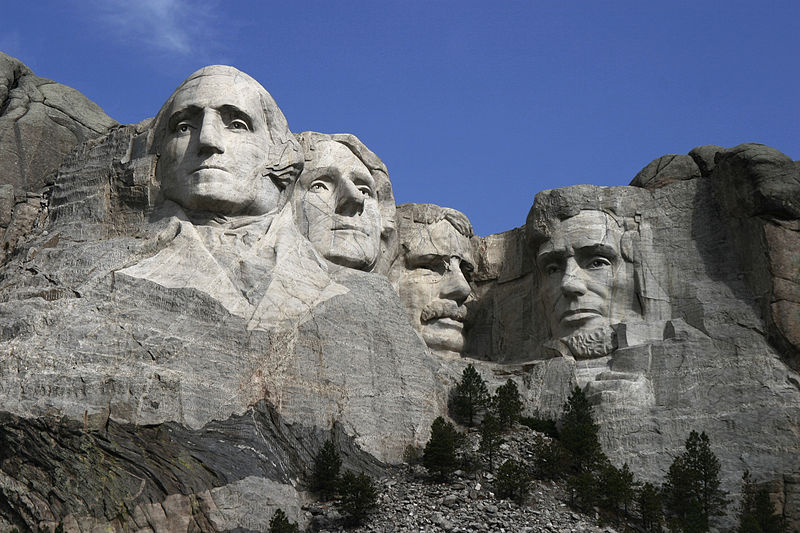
443,309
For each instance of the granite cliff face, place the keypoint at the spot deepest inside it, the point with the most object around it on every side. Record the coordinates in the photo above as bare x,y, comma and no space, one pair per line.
40,122
175,346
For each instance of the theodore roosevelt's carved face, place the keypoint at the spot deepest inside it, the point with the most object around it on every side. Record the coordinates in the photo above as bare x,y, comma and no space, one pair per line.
337,206
433,281
216,146
585,282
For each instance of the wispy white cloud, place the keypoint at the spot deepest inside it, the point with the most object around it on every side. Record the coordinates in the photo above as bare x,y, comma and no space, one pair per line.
174,26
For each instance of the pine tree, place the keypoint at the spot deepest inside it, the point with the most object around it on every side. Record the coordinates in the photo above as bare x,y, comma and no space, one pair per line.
650,508
757,514
490,437
616,487
325,477
507,404
358,497
439,457
512,481
550,459
281,524
579,433
583,489
470,396
692,489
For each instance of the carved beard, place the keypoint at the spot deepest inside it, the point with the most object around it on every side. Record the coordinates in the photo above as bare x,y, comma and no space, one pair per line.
592,344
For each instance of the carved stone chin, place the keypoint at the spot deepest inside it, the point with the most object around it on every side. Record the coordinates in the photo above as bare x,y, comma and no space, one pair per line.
591,344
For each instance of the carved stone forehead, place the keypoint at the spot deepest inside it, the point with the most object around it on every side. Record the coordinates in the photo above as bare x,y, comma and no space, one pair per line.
437,239
584,230
225,84
328,153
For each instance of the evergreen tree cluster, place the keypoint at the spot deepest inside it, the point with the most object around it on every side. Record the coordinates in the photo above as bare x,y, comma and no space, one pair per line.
357,496
689,501
757,514
470,399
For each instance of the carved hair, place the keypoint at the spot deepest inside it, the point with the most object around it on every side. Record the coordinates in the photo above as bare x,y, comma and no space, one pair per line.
285,159
431,214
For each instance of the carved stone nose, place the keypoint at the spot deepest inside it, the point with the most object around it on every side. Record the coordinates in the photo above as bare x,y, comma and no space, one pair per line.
210,136
454,285
572,282
349,200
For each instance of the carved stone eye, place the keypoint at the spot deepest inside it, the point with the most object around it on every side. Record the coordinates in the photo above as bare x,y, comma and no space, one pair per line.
598,262
318,186
238,124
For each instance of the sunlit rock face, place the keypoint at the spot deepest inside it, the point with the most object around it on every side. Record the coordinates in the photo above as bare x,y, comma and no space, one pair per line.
170,288
40,122
199,300
685,337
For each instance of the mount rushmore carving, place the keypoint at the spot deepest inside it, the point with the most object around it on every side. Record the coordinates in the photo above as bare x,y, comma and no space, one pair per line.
192,304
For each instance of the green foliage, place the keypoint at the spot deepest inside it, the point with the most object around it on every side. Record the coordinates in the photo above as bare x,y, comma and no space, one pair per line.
616,487
358,497
542,425
583,489
412,455
325,476
281,524
692,491
490,437
757,514
512,481
439,457
579,433
550,459
507,404
650,506
470,396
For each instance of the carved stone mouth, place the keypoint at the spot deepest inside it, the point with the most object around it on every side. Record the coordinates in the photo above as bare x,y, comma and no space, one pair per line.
209,167
443,311
579,314
349,227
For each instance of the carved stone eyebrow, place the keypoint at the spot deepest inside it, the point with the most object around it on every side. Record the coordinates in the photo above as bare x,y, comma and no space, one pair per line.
311,174
189,111
550,256
362,178
232,111
599,248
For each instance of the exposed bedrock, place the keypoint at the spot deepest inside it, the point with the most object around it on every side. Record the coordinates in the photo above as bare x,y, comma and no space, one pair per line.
190,305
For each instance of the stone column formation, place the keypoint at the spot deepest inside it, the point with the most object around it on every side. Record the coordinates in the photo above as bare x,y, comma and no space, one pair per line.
190,305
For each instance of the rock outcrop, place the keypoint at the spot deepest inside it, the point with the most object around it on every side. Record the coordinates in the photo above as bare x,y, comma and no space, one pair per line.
180,330
41,121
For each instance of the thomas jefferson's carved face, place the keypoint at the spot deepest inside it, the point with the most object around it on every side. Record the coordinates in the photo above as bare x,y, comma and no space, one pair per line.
586,284
216,146
434,283
337,207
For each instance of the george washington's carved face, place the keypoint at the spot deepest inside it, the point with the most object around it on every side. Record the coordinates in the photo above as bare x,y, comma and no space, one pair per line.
585,282
216,146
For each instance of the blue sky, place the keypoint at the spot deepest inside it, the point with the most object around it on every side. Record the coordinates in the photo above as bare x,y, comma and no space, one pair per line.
471,105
